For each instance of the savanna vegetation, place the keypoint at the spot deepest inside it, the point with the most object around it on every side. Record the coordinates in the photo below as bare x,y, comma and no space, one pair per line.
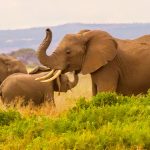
106,121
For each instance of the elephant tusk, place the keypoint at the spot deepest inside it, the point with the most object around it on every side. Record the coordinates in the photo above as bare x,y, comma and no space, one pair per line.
46,76
54,77
59,85
34,70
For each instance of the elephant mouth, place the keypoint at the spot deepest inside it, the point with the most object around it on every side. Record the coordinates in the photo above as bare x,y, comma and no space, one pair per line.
71,70
67,68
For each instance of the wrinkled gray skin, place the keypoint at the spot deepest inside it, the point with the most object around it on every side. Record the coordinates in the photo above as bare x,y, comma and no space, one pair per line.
10,65
115,65
25,85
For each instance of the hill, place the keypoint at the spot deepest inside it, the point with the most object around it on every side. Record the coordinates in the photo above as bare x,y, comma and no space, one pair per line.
11,40
26,55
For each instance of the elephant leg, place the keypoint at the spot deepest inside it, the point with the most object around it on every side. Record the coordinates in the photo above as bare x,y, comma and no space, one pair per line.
52,99
49,96
53,103
106,87
106,80
94,89
107,84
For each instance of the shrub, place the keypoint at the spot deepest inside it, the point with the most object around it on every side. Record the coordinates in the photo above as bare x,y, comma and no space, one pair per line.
6,117
107,121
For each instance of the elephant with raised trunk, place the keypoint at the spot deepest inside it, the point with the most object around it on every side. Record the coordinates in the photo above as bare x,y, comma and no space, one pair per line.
115,65
25,86
10,65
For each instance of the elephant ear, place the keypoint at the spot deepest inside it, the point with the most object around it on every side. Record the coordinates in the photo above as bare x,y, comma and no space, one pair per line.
100,49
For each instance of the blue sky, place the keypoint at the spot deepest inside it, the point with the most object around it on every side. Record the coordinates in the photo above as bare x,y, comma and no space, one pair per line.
16,14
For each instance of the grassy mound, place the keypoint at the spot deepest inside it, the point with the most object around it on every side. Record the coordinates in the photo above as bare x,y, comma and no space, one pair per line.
107,121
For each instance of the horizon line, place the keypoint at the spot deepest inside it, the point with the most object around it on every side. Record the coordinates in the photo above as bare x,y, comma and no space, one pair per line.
45,26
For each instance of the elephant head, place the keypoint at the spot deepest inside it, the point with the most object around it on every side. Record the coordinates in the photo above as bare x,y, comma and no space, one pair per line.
10,65
84,52
66,84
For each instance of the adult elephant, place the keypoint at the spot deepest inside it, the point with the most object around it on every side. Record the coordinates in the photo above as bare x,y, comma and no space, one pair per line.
116,65
10,65
25,86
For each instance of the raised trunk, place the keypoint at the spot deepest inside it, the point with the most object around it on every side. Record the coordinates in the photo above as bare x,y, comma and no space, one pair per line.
48,61
73,83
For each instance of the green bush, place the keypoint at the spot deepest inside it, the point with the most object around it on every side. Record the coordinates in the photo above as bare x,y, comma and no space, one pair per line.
6,117
107,121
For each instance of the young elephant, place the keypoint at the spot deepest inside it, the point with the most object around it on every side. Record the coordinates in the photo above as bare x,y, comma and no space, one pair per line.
25,85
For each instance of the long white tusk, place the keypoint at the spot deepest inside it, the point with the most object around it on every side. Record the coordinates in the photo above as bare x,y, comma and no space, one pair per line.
59,84
54,77
46,76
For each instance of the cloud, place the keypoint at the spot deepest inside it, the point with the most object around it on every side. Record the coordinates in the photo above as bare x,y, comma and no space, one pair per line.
27,39
9,41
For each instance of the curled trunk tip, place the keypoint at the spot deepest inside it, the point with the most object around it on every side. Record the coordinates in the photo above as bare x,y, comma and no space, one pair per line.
73,83
48,30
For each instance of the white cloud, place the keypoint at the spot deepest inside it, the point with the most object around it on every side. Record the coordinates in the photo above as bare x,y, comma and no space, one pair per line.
26,39
9,41
29,13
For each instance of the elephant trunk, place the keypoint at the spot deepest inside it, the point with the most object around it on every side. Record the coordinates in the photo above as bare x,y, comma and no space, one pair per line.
73,83
48,61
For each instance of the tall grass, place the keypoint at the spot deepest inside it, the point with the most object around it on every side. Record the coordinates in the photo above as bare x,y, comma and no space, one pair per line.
106,121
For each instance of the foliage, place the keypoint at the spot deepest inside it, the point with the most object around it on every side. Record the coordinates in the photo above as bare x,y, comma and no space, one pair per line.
7,117
107,121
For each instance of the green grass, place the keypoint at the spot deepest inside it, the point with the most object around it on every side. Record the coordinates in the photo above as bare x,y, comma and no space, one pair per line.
107,121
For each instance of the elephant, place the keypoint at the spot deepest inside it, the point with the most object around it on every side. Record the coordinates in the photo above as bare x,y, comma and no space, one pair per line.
25,85
10,65
115,65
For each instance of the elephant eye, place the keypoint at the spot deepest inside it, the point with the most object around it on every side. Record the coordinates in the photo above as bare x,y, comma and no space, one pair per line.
68,51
